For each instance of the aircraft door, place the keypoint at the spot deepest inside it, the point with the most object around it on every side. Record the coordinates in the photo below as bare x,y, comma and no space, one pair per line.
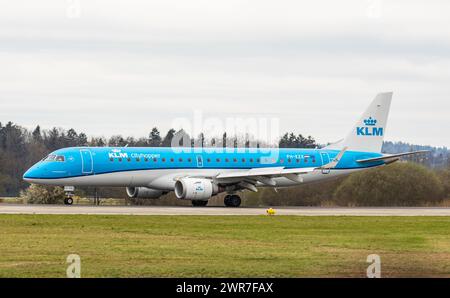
87,163
325,160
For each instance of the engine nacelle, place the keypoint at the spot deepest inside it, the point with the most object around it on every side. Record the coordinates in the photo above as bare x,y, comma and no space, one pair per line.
144,192
195,189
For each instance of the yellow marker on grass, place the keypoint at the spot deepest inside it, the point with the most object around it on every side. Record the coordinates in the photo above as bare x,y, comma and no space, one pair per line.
270,211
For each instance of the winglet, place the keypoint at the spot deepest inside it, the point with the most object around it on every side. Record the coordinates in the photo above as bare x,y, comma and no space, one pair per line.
335,161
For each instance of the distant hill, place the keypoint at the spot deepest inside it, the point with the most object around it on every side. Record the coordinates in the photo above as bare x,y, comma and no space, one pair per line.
439,157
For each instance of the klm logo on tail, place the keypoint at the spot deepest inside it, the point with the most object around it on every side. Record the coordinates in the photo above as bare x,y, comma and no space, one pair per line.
369,128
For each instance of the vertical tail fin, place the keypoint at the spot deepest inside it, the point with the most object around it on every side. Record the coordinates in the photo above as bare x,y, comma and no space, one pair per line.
368,133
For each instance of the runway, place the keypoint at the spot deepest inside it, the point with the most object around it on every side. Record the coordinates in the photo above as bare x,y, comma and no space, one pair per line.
158,210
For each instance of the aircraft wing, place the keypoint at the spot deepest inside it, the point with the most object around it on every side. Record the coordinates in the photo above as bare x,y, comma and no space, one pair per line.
248,178
264,172
391,157
270,172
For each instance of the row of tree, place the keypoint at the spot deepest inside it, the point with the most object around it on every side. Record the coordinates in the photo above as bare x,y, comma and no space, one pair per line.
154,139
21,148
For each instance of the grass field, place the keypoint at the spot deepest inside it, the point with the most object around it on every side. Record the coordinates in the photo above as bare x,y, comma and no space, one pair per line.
223,246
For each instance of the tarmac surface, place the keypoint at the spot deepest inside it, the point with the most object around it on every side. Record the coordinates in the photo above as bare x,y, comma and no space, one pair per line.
159,210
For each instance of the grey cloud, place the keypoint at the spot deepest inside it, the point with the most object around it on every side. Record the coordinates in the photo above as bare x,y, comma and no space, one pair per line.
124,67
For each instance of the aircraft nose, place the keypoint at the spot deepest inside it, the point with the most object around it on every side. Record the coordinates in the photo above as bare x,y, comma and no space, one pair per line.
30,175
27,175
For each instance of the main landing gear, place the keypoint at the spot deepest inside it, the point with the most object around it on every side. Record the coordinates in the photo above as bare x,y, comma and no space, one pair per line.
198,203
232,201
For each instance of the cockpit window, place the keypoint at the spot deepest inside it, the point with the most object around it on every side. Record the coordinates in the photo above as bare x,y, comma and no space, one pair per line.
53,157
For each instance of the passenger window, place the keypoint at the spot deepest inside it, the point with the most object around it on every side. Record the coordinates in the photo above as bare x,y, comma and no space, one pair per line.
243,160
138,159
129,159
155,160
217,159
120,159
146,159
171,160
227,160
251,159
208,160
180,159
235,159
189,159
163,160
111,159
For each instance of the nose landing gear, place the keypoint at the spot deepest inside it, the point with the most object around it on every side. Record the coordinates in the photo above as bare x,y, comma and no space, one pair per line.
69,191
68,201
232,201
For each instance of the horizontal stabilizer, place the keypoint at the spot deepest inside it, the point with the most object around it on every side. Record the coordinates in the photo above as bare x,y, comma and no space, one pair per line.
391,157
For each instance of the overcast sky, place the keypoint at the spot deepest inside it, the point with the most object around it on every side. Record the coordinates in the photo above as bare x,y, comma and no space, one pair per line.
122,67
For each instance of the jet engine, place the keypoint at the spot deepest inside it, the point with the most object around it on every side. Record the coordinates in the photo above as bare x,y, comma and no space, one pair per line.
144,192
195,189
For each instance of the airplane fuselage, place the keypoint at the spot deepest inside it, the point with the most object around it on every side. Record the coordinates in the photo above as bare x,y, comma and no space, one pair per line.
159,167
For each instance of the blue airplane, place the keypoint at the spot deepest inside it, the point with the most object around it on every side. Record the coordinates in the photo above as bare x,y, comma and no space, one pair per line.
197,174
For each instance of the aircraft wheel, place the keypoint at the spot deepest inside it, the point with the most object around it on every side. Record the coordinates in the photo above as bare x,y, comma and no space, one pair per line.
198,203
68,201
232,201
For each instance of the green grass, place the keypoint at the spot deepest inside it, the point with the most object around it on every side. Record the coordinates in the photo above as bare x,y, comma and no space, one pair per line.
223,246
